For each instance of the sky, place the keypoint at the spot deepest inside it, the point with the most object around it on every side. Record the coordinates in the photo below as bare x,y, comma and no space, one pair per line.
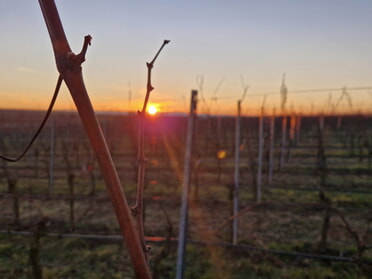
217,47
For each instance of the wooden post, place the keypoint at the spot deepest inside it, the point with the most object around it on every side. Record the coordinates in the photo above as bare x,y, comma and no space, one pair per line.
271,148
283,141
283,93
260,155
69,67
298,128
186,188
321,153
321,123
236,176
339,121
292,130
292,134
51,159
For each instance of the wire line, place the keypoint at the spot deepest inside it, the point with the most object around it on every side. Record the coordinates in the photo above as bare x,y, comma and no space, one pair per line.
47,114
295,92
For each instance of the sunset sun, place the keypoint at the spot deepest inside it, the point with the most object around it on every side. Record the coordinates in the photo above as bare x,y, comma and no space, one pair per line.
152,110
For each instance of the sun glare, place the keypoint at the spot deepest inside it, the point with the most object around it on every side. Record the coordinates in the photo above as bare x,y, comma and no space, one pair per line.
152,110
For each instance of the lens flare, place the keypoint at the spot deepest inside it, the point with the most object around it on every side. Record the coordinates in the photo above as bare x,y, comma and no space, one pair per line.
152,110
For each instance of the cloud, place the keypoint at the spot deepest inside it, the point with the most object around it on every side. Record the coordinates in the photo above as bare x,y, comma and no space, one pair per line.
23,69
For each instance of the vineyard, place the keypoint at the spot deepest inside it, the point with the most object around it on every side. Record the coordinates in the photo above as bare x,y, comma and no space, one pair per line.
312,220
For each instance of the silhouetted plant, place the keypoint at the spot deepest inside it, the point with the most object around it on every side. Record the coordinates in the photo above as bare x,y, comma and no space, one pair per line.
322,169
166,249
34,256
70,70
70,175
138,208
326,202
359,239
11,181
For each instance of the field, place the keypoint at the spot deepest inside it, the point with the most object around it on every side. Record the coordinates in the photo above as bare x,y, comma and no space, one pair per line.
313,220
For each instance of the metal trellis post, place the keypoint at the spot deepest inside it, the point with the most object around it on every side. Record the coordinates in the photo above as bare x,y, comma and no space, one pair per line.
186,187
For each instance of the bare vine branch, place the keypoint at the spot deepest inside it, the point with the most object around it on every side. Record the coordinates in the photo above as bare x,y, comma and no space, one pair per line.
359,239
69,67
245,88
149,69
137,210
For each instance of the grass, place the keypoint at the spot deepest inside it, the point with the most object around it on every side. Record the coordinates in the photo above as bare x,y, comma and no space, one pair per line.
76,258
64,258
290,218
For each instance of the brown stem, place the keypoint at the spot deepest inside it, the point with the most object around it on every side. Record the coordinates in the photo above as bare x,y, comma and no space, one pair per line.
361,245
149,69
34,254
239,213
70,70
138,210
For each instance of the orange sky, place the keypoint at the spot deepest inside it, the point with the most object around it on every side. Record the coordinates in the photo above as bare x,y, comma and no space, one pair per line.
214,45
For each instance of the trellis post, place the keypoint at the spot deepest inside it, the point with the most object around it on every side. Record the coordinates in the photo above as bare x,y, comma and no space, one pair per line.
51,162
186,187
260,155
271,148
236,176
